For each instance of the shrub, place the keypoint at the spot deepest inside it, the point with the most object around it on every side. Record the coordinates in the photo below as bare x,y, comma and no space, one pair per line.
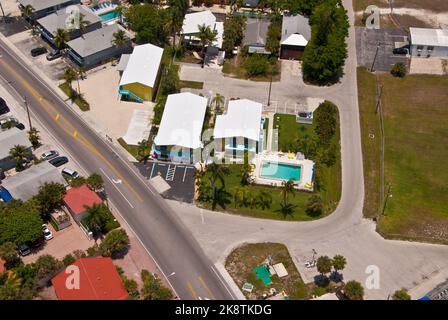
398,70
256,65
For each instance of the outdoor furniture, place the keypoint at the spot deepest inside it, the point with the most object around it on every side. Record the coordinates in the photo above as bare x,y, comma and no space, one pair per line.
248,287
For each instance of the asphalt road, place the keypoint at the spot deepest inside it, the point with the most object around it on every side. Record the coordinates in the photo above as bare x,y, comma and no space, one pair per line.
157,226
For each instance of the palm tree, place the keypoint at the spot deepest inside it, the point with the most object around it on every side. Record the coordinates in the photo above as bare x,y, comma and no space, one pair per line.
235,5
264,199
81,72
143,150
61,38
27,11
69,76
174,23
206,37
245,175
218,100
83,23
217,172
287,189
19,153
120,38
33,136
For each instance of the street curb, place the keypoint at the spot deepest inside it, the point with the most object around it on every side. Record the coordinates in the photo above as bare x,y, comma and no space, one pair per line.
229,281
58,91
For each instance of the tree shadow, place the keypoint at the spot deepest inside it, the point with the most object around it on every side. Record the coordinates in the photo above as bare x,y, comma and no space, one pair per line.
321,280
120,254
336,277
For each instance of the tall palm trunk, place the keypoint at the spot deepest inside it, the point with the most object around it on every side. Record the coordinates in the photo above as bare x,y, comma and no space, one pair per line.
3,12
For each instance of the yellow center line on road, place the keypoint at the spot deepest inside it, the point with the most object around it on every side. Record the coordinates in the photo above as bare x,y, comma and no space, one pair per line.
206,287
193,292
56,116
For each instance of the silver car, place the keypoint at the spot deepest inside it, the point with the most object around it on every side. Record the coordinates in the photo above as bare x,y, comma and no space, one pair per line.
50,155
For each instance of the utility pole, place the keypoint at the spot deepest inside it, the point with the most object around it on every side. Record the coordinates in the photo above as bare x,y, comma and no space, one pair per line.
270,87
385,199
28,113
374,59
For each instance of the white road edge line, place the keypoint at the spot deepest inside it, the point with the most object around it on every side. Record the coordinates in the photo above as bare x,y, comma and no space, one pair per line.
130,204
223,283
146,249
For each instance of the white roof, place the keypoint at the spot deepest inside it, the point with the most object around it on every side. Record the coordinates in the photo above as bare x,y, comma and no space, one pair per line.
143,65
242,119
192,20
429,37
11,138
182,121
139,127
295,39
124,59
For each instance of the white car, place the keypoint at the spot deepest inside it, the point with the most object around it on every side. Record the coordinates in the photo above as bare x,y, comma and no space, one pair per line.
47,233
310,264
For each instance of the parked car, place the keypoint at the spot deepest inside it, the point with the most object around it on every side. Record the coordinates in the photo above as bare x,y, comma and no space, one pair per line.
400,51
24,250
71,173
38,51
58,161
50,155
54,55
3,107
20,126
48,235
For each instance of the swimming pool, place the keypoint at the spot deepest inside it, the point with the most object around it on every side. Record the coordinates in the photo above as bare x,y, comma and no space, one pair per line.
110,15
281,171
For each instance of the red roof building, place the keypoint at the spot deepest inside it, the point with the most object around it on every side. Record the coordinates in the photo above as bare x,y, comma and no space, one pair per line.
98,280
77,199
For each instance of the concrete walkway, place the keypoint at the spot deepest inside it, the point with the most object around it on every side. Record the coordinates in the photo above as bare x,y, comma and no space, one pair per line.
346,232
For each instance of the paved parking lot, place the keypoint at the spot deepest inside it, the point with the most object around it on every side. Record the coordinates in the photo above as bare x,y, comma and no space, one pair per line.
179,177
64,242
25,41
367,41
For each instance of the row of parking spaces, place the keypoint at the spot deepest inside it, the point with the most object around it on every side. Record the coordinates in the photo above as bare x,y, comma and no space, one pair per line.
181,178
374,48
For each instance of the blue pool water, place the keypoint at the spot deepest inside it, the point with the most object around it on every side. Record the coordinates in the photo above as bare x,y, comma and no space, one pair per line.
280,171
111,15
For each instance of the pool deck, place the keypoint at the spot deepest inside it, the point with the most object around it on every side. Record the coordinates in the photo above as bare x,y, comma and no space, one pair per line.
306,170
105,9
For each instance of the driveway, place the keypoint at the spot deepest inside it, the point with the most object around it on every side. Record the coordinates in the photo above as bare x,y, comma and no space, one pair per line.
367,41
64,242
346,232
286,94
108,114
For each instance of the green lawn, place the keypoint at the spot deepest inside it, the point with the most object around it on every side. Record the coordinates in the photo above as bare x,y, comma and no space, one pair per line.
133,150
241,262
289,130
416,135
371,142
78,100
191,84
